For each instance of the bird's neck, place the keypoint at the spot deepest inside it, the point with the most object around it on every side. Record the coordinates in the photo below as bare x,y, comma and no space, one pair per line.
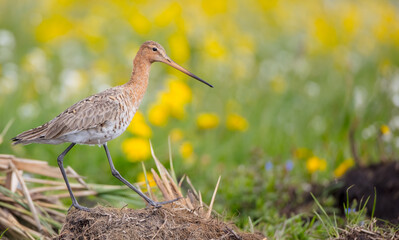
141,70
138,83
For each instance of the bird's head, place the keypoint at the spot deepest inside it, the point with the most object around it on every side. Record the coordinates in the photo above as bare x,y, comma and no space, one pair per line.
154,52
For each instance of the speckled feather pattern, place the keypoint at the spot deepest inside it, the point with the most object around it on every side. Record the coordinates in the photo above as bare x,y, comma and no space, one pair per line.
98,118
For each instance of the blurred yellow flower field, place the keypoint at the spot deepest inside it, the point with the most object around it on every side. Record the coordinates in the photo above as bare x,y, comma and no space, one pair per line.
385,129
141,178
236,122
314,164
186,150
207,120
139,127
344,167
136,149
158,115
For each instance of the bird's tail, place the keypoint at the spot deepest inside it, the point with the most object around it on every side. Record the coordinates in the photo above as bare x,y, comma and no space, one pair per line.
31,136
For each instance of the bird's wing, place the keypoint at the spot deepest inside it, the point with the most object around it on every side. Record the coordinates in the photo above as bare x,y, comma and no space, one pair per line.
88,113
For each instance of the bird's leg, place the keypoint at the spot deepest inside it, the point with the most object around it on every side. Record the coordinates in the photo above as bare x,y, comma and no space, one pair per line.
116,174
60,159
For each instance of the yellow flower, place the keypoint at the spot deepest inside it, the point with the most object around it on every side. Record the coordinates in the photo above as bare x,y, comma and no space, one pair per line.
207,120
150,179
214,48
180,90
212,7
325,32
385,129
139,127
52,28
176,135
351,20
343,167
236,122
268,5
158,115
169,14
139,22
314,164
136,149
170,103
186,150
176,98
179,47
386,23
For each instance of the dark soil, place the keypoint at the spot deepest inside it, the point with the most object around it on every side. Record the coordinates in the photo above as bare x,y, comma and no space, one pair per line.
148,223
384,178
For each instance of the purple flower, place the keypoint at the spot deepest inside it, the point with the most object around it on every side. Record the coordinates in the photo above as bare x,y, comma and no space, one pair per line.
289,165
268,166
349,210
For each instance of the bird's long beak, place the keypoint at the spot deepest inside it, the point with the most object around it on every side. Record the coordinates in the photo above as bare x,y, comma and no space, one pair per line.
183,70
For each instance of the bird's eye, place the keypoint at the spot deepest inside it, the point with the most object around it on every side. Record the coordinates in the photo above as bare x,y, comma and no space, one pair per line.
154,49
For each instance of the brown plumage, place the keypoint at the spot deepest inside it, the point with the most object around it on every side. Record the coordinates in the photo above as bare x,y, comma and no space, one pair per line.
93,120
103,116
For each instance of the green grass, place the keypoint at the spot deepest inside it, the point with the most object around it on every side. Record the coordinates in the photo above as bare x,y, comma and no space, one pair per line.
2,234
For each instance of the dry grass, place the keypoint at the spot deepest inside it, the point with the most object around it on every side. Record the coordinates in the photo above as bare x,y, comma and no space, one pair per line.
30,194
30,205
369,231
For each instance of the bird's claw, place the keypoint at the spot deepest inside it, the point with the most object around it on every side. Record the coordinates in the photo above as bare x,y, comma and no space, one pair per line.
77,206
159,204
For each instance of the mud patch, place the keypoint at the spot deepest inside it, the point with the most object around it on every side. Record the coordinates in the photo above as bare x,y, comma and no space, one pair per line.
149,223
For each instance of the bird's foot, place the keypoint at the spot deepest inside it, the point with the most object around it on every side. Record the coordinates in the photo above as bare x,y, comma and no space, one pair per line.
159,204
77,206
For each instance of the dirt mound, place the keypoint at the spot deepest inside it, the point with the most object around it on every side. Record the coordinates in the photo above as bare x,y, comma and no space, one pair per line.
149,223
384,178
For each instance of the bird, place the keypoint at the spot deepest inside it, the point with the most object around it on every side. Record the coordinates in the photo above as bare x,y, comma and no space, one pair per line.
104,116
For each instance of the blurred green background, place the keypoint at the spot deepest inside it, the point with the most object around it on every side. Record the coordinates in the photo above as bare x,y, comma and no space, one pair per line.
290,79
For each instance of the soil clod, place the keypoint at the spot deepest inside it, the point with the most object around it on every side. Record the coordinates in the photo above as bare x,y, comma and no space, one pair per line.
381,180
149,223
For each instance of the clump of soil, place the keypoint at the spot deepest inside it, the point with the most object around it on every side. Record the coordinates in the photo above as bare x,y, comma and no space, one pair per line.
165,222
360,233
384,178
